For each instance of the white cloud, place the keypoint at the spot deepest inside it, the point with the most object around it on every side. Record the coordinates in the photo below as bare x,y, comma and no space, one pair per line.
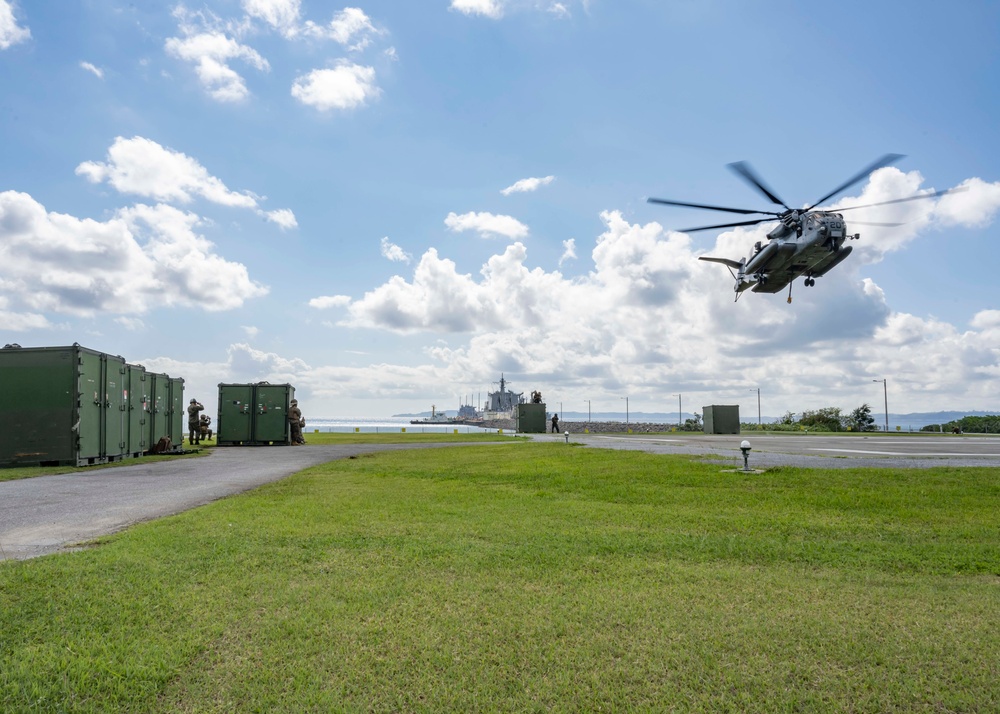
145,168
488,8
10,32
250,330
96,71
558,9
142,257
346,86
486,224
211,50
283,15
23,322
976,205
569,251
350,27
527,184
283,217
325,302
393,252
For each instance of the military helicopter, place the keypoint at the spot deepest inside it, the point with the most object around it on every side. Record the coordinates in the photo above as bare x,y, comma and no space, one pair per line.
805,242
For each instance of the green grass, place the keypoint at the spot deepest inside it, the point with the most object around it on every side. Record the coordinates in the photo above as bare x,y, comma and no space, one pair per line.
410,437
527,577
19,472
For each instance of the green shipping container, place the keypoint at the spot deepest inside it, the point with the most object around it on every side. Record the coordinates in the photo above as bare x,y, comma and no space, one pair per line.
136,401
60,406
531,418
721,419
254,414
177,414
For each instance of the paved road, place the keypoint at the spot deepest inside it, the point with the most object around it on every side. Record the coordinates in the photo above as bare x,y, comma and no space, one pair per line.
820,451
46,514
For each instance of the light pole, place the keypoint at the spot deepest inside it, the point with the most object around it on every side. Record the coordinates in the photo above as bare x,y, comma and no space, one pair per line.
626,412
757,389
885,393
588,411
679,417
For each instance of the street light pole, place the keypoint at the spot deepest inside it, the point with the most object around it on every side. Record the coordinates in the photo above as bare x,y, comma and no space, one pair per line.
626,412
885,394
757,389
679,417
588,411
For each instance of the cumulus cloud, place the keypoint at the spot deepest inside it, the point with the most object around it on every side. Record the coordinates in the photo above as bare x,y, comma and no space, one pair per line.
487,225
346,86
250,330
488,8
975,206
283,15
142,257
211,50
145,168
569,251
96,71
527,184
325,302
394,252
10,32
350,27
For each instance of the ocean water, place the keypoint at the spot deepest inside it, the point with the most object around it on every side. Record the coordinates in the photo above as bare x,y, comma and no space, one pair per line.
385,425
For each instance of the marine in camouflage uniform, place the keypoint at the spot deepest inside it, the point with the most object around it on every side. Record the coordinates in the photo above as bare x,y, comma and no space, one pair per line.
296,422
205,426
194,424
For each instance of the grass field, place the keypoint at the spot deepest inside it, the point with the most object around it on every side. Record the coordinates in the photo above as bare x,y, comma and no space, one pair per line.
19,472
527,577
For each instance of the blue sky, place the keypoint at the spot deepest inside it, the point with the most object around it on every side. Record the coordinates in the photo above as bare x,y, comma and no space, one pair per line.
390,204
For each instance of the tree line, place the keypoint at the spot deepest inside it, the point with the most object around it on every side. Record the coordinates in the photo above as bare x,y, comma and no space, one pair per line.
825,419
989,424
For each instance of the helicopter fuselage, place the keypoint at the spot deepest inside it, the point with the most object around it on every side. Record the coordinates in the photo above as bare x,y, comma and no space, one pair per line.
803,244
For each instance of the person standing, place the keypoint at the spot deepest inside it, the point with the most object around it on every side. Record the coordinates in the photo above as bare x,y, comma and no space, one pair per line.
555,423
295,421
194,423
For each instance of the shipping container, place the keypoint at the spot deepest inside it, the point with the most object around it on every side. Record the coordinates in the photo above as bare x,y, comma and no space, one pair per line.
531,418
253,414
60,406
721,419
135,400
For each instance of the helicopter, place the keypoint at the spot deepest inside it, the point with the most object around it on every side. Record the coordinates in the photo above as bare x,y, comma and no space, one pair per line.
806,242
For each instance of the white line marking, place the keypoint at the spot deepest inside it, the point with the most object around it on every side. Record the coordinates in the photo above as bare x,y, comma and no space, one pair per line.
900,453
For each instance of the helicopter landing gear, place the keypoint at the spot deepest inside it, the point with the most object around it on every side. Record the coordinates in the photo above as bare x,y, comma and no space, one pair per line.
809,282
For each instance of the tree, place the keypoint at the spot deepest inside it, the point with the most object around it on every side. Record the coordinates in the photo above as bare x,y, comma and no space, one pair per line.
827,418
861,419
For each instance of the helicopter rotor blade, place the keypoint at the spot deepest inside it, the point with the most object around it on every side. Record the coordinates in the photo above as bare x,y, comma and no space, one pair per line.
880,225
744,171
879,163
668,202
726,225
935,194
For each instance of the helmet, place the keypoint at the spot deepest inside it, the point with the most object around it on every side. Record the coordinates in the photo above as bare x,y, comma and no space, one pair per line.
194,401
294,402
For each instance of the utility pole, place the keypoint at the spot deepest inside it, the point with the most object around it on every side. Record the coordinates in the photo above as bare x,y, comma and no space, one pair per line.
885,394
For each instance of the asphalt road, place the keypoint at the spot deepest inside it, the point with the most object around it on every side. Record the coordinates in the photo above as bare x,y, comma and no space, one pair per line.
815,451
47,514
